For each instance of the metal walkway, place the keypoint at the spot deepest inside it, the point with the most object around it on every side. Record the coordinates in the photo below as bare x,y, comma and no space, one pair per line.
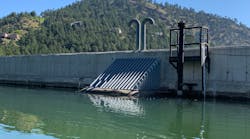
130,74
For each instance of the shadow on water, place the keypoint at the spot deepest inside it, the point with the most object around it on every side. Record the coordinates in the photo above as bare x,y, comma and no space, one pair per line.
65,114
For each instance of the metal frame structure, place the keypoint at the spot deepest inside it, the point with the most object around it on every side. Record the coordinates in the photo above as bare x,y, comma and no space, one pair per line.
177,61
140,74
141,31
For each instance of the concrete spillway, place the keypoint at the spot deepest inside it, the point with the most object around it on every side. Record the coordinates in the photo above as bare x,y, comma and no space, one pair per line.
130,74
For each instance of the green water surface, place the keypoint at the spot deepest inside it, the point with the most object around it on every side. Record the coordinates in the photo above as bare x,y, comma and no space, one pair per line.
51,114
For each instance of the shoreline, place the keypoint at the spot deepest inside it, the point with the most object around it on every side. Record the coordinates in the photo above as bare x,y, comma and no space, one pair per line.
160,93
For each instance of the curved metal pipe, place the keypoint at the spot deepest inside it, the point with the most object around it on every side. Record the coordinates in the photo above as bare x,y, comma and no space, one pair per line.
143,28
138,32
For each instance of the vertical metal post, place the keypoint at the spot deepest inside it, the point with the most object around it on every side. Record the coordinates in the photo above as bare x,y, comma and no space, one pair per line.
207,36
180,60
143,33
144,37
203,61
204,80
170,43
138,36
138,32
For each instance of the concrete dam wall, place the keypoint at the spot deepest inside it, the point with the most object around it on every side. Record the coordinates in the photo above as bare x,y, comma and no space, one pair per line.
230,69
64,70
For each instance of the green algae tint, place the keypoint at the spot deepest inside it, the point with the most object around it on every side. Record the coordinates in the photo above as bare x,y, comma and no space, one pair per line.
49,114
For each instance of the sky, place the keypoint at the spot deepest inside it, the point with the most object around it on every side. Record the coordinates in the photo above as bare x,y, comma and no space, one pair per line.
239,9
8,6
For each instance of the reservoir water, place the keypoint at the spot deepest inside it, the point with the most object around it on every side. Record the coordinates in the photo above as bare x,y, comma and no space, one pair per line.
59,114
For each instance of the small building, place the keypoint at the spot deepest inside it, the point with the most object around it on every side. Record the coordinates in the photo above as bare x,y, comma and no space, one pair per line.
13,36
4,35
117,30
76,23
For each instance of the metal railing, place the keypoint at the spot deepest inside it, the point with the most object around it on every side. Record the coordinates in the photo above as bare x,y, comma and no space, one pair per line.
200,34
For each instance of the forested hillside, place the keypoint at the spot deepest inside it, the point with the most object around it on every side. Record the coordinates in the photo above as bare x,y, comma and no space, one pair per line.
102,25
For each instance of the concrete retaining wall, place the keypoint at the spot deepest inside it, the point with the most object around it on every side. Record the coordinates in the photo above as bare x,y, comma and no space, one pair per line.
65,70
230,69
229,75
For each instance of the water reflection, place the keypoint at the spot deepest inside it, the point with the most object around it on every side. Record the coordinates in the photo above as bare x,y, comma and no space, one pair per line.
14,124
188,120
124,105
25,113
203,122
19,121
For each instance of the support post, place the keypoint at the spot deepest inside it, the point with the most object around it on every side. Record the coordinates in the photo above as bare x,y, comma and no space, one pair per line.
138,32
203,64
204,81
180,60
143,29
